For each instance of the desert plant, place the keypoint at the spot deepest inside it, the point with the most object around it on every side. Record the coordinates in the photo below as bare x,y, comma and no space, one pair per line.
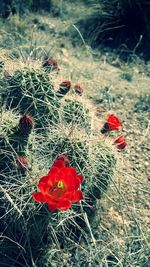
91,158
38,229
29,155
31,91
75,113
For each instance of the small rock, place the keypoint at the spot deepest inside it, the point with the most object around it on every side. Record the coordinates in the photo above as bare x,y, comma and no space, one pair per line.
146,163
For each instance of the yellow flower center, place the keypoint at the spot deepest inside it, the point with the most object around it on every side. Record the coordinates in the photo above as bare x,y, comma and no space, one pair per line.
58,189
60,185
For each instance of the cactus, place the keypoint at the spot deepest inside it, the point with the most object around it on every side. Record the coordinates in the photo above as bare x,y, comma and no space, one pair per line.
31,225
31,91
75,113
8,124
14,134
92,158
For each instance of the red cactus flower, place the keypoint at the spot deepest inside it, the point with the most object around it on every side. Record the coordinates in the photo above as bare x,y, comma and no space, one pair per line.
78,89
111,124
64,158
26,123
64,87
60,187
50,63
121,142
22,163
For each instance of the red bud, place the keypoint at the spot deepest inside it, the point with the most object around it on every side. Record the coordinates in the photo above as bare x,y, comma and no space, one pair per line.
50,63
22,163
121,142
64,87
26,123
78,89
64,158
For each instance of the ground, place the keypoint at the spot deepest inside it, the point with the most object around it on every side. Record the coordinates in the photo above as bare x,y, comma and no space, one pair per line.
112,86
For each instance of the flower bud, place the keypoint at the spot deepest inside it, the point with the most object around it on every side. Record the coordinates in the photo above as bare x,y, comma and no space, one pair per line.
64,87
111,124
26,124
78,89
121,142
50,64
22,163
64,158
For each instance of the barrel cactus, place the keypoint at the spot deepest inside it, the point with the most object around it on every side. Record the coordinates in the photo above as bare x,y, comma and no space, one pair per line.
76,113
31,91
29,155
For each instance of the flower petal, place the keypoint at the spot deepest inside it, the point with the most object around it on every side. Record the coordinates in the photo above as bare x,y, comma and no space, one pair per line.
70,178
51,199
38,197
63,205
121,142
64,158
77,196
80,177
53,176
53,171
44,179
59,164
66,196
43,185
113,122
52,206
73,171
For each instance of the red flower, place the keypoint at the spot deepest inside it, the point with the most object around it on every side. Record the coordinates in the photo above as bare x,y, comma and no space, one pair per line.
64,87
50,63
111,124
60,187
26,123
121,142
78,89
64,158
22,163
